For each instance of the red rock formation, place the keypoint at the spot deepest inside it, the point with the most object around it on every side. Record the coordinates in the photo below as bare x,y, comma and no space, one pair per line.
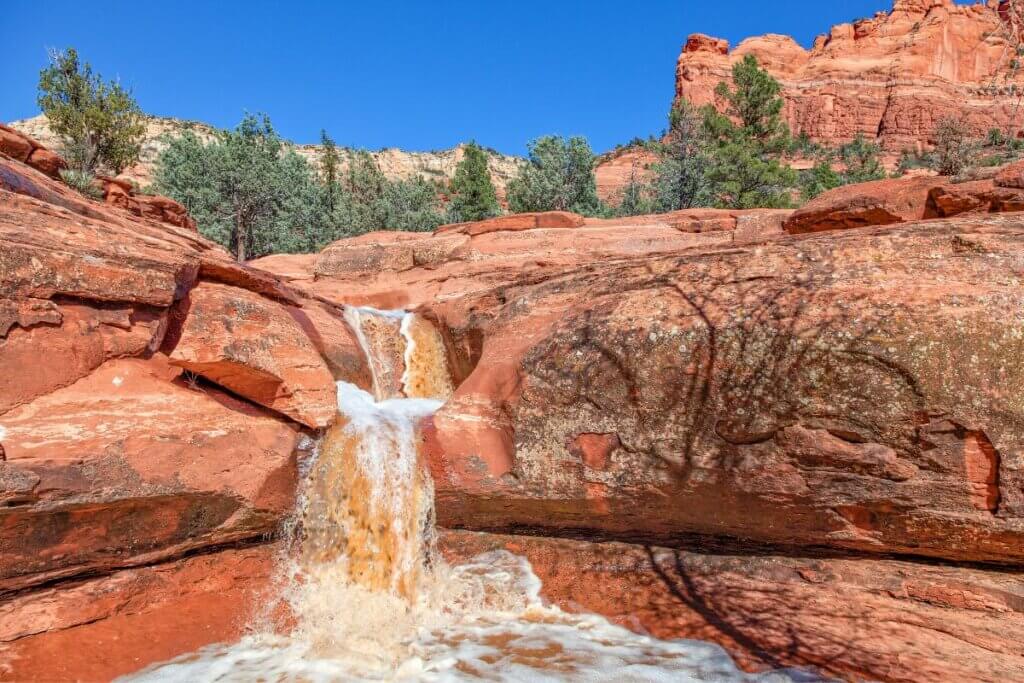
128,467
899,200
21,147
1011,176
121,193
116,465
255,348
808,405
518,221
881,202
615,170
817,392
118,192
892,76
133,617
390,270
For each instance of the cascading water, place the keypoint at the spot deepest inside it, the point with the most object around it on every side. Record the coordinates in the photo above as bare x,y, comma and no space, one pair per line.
363,593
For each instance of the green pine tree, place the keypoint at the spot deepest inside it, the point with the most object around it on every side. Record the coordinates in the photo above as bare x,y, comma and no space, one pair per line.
100,123
330,170
819,179
244,189
744,169
472,193
861,159
558,176
255,195
755,100
680,176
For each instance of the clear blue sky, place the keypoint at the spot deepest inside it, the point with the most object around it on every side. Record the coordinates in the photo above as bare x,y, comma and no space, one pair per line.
413,74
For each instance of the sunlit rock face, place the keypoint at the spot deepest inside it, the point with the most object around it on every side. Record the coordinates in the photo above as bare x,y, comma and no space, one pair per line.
803,448
893,76
839,389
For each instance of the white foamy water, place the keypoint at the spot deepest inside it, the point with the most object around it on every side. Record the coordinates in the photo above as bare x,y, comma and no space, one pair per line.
365,596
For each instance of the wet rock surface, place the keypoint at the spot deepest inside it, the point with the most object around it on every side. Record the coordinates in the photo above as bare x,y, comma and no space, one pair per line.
807,448
854,619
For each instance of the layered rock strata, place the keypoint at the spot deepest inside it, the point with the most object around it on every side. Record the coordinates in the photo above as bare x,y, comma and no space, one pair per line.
891,77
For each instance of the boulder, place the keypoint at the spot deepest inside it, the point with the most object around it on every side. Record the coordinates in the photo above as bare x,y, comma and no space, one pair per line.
882,202
255,348
130,466
47,161
21,147
979,196
165,210
137,617
954,199
878,203
845,390
14,144
519,221
1011,176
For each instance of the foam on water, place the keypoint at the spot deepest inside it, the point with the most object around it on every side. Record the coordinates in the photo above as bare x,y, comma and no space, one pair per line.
366,597
493,627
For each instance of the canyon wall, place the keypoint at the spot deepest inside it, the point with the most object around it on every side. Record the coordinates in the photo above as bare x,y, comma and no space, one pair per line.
893,76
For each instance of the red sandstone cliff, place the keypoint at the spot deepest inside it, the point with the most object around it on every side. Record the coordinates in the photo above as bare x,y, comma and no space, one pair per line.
892,76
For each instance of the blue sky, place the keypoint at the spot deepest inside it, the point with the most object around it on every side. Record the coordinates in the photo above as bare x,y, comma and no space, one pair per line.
417,75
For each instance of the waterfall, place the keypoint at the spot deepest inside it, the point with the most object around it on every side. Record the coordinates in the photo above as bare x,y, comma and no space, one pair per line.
367,598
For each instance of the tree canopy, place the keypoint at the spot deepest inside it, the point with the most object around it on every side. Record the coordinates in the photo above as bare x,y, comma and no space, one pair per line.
558,176
471,191
255,195
244,189
744,169
99,122
680,180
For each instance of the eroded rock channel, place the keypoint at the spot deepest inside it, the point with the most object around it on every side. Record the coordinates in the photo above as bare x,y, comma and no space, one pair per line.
692,442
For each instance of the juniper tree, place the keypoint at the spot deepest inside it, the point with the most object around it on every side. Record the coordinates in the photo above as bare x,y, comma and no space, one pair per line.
99,122
255,195
861,159
558,176
472,192
744,169
680,175
954,149
244,189
330,169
